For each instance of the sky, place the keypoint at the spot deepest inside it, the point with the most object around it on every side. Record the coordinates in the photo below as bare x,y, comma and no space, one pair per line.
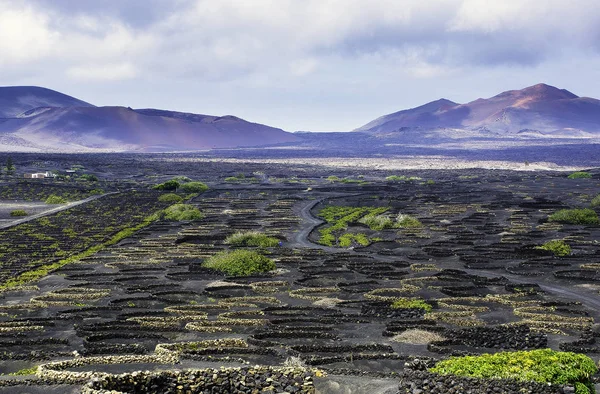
301,65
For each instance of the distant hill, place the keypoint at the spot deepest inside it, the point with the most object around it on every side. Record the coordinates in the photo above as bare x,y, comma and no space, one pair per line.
540,110
41,119
14,100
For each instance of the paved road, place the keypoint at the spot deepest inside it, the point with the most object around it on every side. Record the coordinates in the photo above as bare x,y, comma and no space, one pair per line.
54,210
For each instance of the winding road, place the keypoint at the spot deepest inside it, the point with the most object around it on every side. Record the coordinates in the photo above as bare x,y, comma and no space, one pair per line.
588,298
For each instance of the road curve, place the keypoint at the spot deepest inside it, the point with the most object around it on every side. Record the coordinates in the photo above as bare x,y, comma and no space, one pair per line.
587,298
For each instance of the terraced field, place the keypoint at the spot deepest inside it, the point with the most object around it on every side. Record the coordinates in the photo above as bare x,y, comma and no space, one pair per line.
361,313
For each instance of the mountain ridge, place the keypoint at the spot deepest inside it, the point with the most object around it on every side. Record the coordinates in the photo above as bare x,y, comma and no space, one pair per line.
53,121
541,107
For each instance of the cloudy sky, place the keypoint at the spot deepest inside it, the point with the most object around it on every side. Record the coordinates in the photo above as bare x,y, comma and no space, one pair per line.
318,65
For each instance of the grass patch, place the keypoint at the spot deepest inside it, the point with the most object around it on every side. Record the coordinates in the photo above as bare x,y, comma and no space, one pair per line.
557,246
596,201
54,199
18,212
411,303
240,262
407,221
417,337
252,238
182,212
542,365
580,175
575,216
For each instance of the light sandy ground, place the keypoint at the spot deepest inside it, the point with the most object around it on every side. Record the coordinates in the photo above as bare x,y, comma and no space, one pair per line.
399,163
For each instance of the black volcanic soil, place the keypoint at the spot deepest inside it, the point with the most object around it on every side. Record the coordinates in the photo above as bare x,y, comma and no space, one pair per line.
474,260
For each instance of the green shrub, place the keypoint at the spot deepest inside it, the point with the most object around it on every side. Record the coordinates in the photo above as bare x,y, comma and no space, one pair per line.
580,175
171,198
596,201
557,246
575,216
377,222
333,178
181,179
194,187
182,212
252,238
54,199
18,212
240,262
407,221
88,177
542,365
408,303
168,185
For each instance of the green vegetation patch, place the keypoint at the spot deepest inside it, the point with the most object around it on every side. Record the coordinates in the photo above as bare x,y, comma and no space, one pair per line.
580,175
575,216
377,222
596,201
18,212
54,199
338,218
194,187
407,221
557,246
170,198
182,212
252,238
168,185
402,178
542,365
411,303
240,262
348,239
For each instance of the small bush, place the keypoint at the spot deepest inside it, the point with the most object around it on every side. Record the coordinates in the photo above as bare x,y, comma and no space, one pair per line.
541,365
171,198
252,238
558,247
596,201
411,303
377,222
575,216
54,199
407,221
18,212
168,185
194,187
182,212
88,177
580,175
240,262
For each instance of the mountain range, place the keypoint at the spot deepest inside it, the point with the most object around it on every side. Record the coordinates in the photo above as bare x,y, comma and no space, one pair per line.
39,119
539,110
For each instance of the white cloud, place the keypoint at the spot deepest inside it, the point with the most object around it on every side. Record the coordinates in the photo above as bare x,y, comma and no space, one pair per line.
103,72
24,34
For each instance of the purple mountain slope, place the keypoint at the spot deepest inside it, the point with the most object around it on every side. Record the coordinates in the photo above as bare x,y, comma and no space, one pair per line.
540,108
58,125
